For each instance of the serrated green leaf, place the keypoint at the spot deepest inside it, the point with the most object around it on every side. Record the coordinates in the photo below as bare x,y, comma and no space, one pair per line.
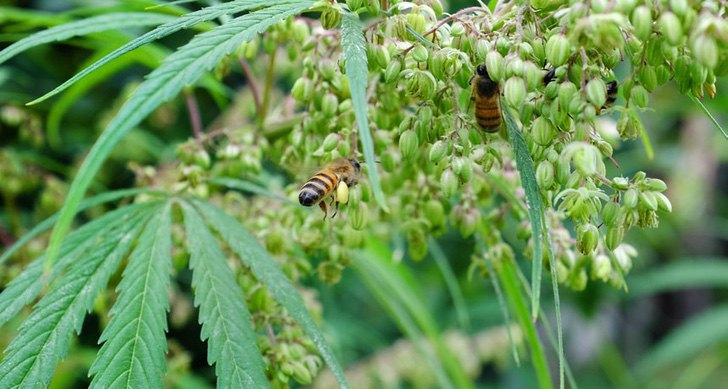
181,68
352,40
28,284
133,353
44,337
183,22
249,187
695,335
226,322
85,204
112,21
265,269
524,163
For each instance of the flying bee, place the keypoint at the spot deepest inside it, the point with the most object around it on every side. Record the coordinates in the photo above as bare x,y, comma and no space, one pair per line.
487,105
339,175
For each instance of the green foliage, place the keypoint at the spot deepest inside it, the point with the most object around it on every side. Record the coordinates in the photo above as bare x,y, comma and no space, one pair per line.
402,84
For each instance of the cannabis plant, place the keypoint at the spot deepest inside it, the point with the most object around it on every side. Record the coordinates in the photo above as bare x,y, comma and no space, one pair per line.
385,82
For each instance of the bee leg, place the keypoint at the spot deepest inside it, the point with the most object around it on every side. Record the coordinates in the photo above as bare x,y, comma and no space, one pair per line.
336,209
322,205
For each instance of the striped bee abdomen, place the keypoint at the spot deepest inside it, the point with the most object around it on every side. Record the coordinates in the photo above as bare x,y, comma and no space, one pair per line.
487,113
316,188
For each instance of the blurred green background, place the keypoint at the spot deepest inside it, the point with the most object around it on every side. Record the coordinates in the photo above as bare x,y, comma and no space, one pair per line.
668,330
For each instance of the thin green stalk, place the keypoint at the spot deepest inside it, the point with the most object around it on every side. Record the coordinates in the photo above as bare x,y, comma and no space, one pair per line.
509,279
267,89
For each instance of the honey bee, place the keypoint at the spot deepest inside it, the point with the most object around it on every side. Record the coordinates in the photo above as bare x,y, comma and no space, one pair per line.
612,89
487,105
339,175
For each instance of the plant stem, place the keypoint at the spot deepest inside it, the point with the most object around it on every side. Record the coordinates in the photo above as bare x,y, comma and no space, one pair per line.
266,92
194,111
251,82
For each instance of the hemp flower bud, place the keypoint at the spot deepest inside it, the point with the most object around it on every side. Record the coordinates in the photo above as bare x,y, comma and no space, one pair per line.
587,238
648,77
601,267
639,96
705,50
435,213
679,7
642,22
457,29
302,90
614,236
495,64
408,144
630,198
463,167
391,74
515,91
545,175
596,92
420,53
610,213
663,203
648,200
543,131
330,142
448,183
329,105
359,217
300,30
438,151
670,27
417,22
558,49
330,18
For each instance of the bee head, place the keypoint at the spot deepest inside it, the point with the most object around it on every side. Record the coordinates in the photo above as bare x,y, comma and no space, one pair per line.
355,164
481,70
612,87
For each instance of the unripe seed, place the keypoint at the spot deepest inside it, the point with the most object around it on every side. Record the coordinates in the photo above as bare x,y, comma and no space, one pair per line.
679,7
705,50
630,198
543,131
329,105
495,64
420,53
663,203
302,90
457,29
610,213
330,142
438,151
648,200
670,27
558,49
359,217
648,77
587,238
596,92
391,74
435,213
408,144
545,175
515,91
639,96
614,237
330,18
448,183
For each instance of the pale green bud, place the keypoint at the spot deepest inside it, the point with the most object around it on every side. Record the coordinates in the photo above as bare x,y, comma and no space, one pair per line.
543,131
300,30
679,7
515,91
391,74
302,90
359,216
614,236
610,213
329,105
457,29
448,183
545,175
620,183
648,77
639,96
417,22
587,238
463,167
648,200
631,196
438,151
354,5
663,203
670,27
596,92
330,18
567,92
435,213
495,64
408,144
330,142
420,53
705,50
558,49
601,267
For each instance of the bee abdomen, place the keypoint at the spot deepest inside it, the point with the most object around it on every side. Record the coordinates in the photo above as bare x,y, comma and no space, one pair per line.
315,189
487,115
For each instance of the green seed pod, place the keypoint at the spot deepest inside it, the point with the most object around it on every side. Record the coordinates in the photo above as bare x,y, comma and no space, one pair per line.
539,52
330,142
605,148
679,7
354,5
551,91
420,53
327,69
330,18
463,167
435,213
596,92
329,105
625,6
469,222
640,97
567,93
448,183
620,183
417,22
514,66
610,212
601,267
408,144
648,77
545,175
543,131
359,217
302,90
416,241
201,159
630,198
250,49
653,184
381,56
558,49
457,29
373,7
495,64
300,30
614,237
663,203
587,238
515,91
438,151
705,50
391,74
648,200
670,27
532,74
